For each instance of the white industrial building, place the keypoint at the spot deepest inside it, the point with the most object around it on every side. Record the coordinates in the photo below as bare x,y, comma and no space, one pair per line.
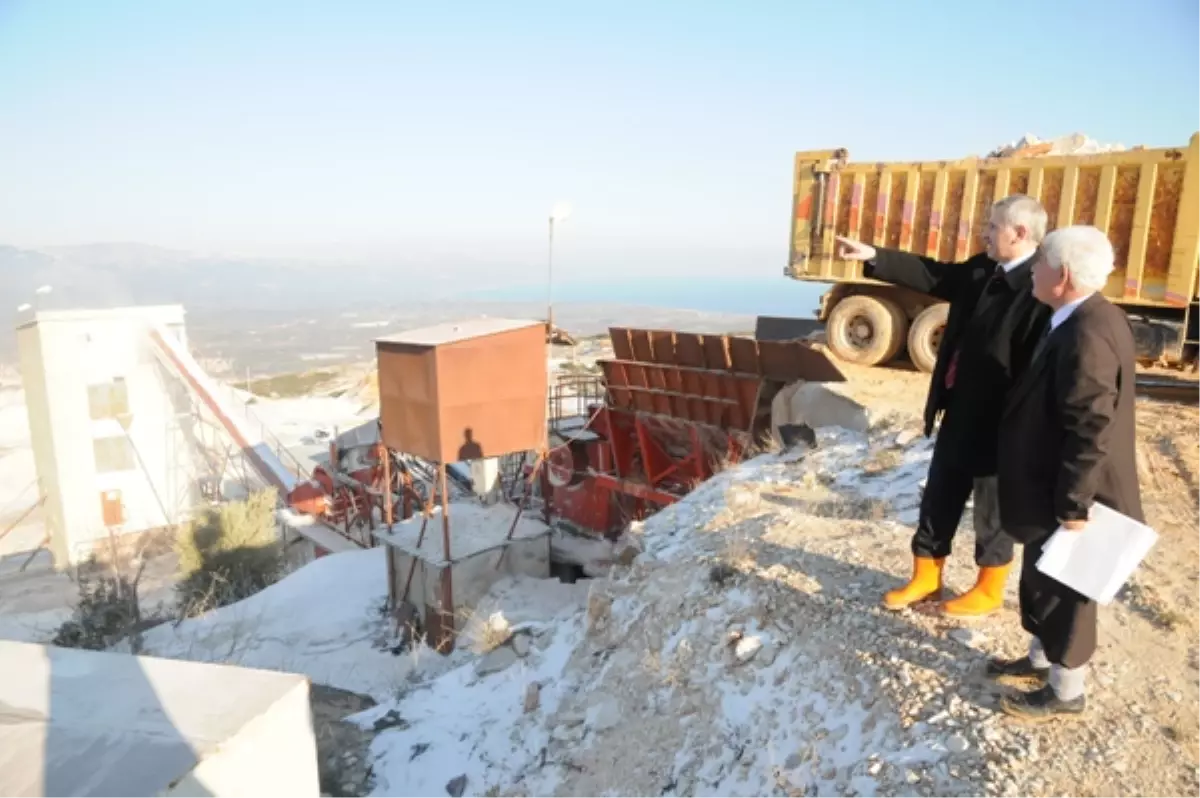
113,429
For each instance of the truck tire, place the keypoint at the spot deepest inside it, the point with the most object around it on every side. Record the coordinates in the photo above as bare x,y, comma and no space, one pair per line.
925,336
867,330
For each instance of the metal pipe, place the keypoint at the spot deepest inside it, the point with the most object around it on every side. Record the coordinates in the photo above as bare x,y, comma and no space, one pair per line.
23,516
413,565
387,482
550,282
447,643
538,465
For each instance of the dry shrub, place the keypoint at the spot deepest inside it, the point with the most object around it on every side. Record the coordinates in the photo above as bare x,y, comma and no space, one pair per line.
484,634
107,611
227,554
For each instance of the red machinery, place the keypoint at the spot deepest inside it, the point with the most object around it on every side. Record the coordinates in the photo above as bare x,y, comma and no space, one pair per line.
678,407
351,497
670,411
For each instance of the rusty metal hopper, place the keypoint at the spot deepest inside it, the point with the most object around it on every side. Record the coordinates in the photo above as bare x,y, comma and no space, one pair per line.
464,390
716,380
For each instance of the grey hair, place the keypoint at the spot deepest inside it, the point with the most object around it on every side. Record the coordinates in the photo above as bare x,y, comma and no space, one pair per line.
1084,251
1021,210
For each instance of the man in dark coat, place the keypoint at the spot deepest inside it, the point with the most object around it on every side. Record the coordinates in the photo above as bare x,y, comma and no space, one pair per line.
993,325
1067,440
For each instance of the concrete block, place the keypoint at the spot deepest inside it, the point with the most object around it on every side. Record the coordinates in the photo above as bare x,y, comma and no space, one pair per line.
93,723
480,555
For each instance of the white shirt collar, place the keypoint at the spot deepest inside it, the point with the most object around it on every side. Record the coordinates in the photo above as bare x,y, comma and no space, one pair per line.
1064,313
1012,264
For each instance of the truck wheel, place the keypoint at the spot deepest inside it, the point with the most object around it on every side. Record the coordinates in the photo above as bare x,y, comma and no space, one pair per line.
925,336
867,330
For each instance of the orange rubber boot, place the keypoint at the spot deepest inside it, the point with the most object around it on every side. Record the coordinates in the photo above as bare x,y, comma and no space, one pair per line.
985,598
926,580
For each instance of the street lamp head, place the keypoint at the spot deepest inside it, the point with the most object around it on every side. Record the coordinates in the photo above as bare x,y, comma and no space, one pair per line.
24,307
43,290
560,211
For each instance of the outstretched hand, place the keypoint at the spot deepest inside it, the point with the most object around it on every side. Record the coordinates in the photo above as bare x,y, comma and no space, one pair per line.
851,249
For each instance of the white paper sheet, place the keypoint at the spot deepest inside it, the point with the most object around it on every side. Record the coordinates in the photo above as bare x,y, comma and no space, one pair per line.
1099,559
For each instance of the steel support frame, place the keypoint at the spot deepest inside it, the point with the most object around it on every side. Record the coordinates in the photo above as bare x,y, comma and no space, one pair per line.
641,466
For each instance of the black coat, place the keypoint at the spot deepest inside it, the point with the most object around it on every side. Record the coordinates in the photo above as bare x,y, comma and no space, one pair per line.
1067,435
996,344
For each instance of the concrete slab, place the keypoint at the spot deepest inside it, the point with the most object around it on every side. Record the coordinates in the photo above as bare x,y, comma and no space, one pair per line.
481,553
89,723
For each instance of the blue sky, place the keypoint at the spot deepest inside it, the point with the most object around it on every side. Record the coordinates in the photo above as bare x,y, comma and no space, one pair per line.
449,129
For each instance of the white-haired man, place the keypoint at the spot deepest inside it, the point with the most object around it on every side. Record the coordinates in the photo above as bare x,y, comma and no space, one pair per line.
993,325
1066,440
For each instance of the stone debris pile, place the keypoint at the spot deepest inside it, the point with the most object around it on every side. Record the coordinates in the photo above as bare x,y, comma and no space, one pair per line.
1030,145
742,652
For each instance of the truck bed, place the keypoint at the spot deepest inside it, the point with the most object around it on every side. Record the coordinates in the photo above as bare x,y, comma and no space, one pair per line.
1147,200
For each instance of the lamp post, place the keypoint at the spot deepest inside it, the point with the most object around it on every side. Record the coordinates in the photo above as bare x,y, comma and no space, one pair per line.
559,213
41,292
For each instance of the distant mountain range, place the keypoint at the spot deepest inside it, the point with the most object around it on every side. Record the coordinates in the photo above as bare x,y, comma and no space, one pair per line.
110,275
98,276
274,315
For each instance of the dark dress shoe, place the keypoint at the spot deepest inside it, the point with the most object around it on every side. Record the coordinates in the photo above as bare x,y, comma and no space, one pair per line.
1042,705
1016,670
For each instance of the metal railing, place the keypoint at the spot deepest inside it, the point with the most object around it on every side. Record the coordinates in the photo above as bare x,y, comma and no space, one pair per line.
570,396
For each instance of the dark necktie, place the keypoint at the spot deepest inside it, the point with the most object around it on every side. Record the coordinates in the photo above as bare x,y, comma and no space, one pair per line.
1040,347
990,287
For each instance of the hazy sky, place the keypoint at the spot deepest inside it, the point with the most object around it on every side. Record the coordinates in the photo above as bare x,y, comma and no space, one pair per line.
290,128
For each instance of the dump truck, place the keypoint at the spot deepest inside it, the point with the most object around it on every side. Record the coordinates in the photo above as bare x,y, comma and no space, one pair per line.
1146,200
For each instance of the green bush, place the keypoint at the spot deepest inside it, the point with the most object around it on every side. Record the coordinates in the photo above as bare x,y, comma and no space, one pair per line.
228,553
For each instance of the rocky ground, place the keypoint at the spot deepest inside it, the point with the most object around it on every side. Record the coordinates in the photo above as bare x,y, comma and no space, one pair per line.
1141,732
342,747
745,651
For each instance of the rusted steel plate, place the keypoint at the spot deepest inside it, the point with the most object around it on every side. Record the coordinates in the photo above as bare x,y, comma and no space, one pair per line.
779,361
662,346
743,355
747,395
788,361
679,407
622,347
725,399
692,382
689,350
716,352
431,383
737,419
635,489
715,412
674,380
656,376
617,383
620,398
642,351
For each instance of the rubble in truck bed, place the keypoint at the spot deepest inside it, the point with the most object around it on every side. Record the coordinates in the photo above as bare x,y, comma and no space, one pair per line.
1030,145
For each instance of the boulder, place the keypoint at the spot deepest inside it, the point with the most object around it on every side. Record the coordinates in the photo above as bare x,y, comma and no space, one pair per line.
816,405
